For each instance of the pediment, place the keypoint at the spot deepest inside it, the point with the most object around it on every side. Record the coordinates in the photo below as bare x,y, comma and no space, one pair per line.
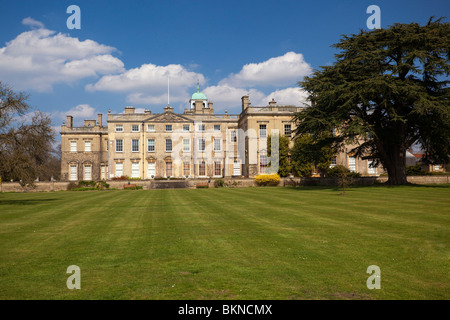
168,117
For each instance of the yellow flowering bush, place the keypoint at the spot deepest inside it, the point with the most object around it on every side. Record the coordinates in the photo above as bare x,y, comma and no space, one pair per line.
267,179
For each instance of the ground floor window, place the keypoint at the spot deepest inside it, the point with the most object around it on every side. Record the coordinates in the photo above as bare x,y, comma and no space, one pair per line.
73,172
371,167
186,168
135,170
263,163
103,172
217,168
168,169
236,168
202,168
151,170
119,169
352,164
87,173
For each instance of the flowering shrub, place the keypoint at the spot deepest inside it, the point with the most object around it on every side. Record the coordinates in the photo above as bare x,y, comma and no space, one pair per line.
121,178
267,179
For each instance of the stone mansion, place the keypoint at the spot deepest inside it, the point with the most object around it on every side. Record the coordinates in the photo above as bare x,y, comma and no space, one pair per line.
195,144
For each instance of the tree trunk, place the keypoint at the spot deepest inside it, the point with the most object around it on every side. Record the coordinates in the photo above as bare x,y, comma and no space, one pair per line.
396,168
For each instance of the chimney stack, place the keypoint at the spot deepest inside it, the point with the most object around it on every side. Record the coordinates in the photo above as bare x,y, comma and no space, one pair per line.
99,119
69,121
245,103
129,110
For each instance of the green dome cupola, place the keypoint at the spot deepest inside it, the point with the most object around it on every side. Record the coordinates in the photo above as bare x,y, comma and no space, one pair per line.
198,95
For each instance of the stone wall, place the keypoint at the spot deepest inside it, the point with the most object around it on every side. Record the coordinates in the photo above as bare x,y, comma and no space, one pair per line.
229,182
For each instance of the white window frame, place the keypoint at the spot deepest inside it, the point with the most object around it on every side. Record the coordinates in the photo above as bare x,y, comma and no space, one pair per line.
220,168
237,168
149,145
370,167
184,168
217,127
263,163
171,145
135,145
103,172
186,128
166,168
119,127
186,145
135,170
151,169
217,144
204,163
87,146
201,145
135,128
352,163
73,172
169,128
289,134
73,146
119,169
150,128
233,136
87,175
263,131
121,145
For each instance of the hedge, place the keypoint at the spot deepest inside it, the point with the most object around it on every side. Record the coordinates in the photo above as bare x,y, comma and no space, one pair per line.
267,179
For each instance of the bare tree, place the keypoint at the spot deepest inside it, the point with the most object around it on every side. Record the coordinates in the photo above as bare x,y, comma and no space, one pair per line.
25,139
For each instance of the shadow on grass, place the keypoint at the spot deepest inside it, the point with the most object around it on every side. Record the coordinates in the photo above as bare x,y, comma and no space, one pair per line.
24,202
364,186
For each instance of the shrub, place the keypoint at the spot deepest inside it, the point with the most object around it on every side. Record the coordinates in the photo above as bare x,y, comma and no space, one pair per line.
219,183
121,178
416,170
338,170
343,176
82,184
87,185
72,185
100,185
267,179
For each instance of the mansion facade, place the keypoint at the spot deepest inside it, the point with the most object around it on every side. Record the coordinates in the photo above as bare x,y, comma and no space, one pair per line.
195,144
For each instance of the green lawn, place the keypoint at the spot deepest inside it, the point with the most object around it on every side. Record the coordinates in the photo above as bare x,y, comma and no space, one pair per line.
227,243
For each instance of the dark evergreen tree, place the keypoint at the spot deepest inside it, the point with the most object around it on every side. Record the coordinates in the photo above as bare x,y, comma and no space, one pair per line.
387,90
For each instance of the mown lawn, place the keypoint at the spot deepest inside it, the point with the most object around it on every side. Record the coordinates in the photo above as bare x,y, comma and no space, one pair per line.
227,243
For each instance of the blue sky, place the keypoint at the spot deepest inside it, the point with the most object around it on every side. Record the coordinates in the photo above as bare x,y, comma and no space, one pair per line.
126,50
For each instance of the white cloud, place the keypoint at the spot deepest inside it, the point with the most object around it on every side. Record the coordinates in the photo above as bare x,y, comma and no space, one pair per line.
32,23
79,113
40,58
289,96
148,83
225,96
277,71
82,111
